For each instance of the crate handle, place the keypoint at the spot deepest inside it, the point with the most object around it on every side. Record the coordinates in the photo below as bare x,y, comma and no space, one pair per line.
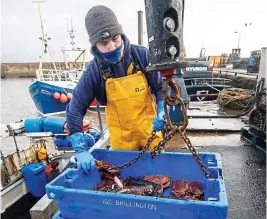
71,176
220,173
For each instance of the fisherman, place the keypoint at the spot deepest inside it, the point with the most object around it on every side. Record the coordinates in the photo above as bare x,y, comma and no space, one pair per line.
116,77
54,172
250,64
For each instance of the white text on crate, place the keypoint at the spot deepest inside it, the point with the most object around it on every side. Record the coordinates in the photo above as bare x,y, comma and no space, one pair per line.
130,204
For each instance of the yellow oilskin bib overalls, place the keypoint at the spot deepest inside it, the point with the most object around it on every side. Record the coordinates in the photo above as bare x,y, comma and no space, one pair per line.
129,112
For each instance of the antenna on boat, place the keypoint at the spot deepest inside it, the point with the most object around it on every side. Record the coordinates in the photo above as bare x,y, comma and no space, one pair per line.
44,38
73,64
71,32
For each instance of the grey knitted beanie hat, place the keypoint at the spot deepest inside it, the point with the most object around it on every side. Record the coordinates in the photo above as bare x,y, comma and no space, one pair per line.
101,23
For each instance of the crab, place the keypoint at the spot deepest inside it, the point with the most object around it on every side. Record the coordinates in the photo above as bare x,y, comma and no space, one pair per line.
149,185
106,186
139,186
179,188
195,188
183,189
107,171
163,180
130,185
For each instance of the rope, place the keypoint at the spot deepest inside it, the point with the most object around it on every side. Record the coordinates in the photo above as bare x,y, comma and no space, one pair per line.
236,98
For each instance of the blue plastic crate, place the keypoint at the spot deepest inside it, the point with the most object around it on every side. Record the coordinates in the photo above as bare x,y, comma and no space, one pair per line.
71,190
58,216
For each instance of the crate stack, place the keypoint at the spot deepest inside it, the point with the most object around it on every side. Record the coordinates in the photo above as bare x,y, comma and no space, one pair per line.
256,132
257,118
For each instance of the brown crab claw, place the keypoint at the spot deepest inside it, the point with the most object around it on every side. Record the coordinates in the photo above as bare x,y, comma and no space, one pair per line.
198,197
101,163
190,197
195,188
112,170
180,185
105,175
107,171
178,194
104,185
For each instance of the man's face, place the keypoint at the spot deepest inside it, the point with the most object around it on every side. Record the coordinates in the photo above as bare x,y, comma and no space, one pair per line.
109,44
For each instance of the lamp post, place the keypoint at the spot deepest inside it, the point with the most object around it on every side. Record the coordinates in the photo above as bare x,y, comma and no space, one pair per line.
251,36
238,38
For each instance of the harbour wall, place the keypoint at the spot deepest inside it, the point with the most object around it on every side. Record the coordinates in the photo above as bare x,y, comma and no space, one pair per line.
25,70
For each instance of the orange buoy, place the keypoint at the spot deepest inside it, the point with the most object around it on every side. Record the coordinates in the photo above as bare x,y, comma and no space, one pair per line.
56,95
86,123
69,95
63,98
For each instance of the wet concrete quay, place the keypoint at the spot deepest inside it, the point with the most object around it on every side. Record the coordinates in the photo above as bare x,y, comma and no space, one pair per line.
244,172
244,166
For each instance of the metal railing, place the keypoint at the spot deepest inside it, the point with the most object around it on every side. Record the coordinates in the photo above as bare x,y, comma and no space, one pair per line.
235,73
210,81
58,75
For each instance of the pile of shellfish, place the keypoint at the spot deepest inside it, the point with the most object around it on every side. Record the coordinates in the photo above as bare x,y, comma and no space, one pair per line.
148,185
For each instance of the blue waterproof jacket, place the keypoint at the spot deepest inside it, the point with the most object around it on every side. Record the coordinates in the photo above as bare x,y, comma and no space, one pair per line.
251,61
92,85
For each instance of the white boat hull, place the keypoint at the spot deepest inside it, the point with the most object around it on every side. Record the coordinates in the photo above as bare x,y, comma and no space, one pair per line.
12,193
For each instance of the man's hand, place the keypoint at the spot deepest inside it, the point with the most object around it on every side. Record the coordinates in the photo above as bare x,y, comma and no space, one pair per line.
85,161
158,123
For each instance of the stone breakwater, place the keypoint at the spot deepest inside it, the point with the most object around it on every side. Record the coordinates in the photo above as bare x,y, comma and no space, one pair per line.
21,70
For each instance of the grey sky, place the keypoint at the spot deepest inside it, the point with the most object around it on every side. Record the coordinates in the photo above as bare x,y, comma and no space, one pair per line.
208,23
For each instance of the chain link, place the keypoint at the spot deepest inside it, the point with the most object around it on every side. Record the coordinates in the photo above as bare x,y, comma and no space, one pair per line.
144,149
194,153
166,137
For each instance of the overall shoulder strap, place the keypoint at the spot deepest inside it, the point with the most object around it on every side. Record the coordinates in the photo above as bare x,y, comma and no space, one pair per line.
105,70
133,68
136,63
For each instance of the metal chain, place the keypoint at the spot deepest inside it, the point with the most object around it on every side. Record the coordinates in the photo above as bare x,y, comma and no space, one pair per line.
167,135
144,149
194,153
174,100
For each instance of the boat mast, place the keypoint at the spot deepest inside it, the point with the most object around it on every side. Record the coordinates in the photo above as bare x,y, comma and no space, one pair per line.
73,64
44,40
71,32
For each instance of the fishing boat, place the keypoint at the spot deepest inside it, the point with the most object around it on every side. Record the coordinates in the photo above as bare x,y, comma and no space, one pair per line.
24,144
199,82
52,90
